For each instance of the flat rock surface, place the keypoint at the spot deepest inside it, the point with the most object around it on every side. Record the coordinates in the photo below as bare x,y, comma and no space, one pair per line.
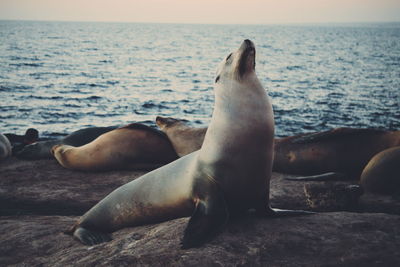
41,199
45,187
325,239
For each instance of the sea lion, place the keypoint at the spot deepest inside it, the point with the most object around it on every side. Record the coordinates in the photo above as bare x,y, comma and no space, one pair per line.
341,150
31,135
5,147
382,173
367,155
135,146
42,149
228,175
184,139
18,142
338,153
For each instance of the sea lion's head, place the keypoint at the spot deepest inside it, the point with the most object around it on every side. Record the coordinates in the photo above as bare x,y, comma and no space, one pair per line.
167,122
57,149
60,152
31,136
239,64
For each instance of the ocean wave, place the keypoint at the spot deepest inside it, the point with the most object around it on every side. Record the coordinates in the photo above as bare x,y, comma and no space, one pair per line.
93,97
152,105
26,64
21,58
44,97
295,67
15,88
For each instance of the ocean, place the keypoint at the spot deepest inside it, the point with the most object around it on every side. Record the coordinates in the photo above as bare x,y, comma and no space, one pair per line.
59,77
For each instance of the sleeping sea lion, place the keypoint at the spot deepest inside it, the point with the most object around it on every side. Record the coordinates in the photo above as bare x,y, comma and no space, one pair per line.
135,146
5,147
42,149
343,150
340,150
382,173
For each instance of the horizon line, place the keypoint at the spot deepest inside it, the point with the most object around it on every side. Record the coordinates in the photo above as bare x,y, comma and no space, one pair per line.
210,23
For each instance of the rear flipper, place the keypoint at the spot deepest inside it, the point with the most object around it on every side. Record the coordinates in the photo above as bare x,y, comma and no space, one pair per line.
209,218
90,238
329,176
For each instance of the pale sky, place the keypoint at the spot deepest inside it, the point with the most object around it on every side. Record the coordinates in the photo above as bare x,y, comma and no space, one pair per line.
204,11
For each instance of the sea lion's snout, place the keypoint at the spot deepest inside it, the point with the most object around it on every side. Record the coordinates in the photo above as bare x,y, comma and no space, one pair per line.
247,58
160,120
53,149
249,43
166,121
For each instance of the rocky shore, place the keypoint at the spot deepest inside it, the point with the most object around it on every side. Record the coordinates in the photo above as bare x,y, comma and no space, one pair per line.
40,199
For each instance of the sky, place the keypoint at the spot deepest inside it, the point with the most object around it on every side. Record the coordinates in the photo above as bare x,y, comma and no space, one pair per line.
204,11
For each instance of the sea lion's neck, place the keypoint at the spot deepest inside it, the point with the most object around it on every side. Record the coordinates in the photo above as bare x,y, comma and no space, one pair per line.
242,118
241,103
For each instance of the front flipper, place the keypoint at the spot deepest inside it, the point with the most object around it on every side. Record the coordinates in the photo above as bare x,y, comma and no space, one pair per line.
330,176
90,238
284,213
209,218
271,212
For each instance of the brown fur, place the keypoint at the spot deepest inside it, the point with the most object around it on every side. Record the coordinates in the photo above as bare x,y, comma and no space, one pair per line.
340,150
184,139
133,146
345,150
382,173
205,182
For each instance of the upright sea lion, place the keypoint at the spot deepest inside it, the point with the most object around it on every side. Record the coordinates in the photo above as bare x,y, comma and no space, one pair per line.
135,146
228,175
5,147
185,139
42,149
382,173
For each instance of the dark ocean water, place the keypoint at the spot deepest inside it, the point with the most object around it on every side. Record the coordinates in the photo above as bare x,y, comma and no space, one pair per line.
62,76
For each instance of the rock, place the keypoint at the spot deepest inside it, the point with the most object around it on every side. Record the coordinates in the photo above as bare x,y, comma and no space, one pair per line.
40,199
325,239
45,187
332,196
379,203
287,194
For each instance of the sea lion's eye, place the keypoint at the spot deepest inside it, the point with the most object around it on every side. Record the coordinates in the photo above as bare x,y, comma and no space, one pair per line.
229,57
217,79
